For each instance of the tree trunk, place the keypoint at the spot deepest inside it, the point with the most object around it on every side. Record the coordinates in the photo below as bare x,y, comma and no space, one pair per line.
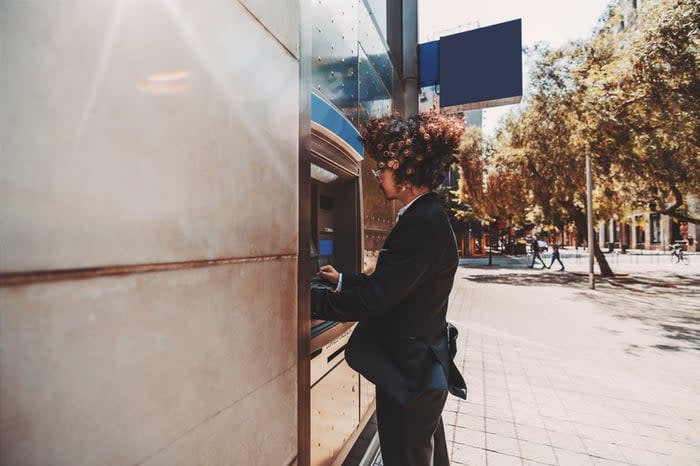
605,270
581,226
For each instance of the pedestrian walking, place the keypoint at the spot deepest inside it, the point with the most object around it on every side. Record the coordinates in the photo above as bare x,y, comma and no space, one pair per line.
556,257
536,255
403,343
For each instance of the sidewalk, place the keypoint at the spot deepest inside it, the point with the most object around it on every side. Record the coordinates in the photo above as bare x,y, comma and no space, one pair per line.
562,375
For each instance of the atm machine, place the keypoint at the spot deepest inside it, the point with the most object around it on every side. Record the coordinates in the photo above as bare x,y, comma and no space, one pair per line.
340,399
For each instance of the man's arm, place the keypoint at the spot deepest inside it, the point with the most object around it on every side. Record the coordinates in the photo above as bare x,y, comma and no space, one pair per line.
399,270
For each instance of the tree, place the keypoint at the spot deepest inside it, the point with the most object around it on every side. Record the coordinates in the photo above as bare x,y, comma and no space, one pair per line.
540,149
641,108
471,163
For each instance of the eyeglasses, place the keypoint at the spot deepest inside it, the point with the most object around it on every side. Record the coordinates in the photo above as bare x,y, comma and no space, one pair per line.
378,172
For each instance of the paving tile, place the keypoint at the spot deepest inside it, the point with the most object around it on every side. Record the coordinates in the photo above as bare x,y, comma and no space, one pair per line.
522,403
532,434
623,438
475,409
663,447
498,459
533,420
558,425
604,462
537,452
604,450
683,459
655,431
504,428
525,412
470,422
449,418
499,414
567,441
500,402
643,457
594,433
566,458
685,437
472,438
468,455
501,444
451,406
449,432
554,413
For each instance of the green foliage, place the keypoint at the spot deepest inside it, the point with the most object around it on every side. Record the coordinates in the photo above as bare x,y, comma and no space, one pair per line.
649,132
470,160
460,214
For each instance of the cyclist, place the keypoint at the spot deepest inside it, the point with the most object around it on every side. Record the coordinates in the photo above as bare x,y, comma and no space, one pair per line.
677,254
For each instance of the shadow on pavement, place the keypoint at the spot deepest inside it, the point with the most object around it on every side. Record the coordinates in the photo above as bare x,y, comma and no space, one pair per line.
669,304
525,278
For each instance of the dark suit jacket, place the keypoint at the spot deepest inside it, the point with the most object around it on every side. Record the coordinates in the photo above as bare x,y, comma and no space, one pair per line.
401,343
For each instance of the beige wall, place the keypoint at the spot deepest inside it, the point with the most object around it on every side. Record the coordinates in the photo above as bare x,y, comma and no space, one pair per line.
145,132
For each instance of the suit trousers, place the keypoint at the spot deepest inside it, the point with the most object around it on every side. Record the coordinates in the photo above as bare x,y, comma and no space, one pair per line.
413,434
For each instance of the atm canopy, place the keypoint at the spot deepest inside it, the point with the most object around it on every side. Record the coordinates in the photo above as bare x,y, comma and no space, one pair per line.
328,119
475,69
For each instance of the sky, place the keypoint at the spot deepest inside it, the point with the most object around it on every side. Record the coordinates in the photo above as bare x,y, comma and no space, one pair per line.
553,21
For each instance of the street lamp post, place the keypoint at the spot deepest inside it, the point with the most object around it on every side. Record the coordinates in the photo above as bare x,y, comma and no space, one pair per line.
469,242
589,208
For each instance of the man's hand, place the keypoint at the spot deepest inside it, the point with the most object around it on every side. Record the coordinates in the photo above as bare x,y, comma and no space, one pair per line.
327,272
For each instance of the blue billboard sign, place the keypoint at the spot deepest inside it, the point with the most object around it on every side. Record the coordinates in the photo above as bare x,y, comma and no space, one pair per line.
475,69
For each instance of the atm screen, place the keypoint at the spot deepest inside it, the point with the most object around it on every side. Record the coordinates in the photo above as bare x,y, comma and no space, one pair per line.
326,247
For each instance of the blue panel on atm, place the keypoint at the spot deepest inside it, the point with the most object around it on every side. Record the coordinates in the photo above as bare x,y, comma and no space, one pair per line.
429,63
330,118
325,247
481,65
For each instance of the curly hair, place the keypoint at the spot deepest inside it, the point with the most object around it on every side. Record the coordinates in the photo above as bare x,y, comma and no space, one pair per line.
424,145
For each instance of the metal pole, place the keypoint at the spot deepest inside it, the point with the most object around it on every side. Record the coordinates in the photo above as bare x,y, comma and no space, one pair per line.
589,209
490,247
410,56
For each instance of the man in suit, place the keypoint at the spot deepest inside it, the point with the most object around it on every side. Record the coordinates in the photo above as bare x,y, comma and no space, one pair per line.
402,343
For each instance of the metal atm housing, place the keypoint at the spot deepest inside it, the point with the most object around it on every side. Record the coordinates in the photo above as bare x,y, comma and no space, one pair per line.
340,399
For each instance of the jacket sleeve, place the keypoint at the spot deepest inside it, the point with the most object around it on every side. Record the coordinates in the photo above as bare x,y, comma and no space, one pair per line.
400,269
352,280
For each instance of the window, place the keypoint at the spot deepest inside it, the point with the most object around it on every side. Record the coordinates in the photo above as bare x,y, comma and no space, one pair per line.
655,227
639,230
634,4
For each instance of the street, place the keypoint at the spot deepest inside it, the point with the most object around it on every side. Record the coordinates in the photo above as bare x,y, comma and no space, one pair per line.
561,374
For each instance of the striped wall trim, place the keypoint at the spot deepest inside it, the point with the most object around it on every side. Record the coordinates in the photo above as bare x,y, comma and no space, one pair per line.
45,276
